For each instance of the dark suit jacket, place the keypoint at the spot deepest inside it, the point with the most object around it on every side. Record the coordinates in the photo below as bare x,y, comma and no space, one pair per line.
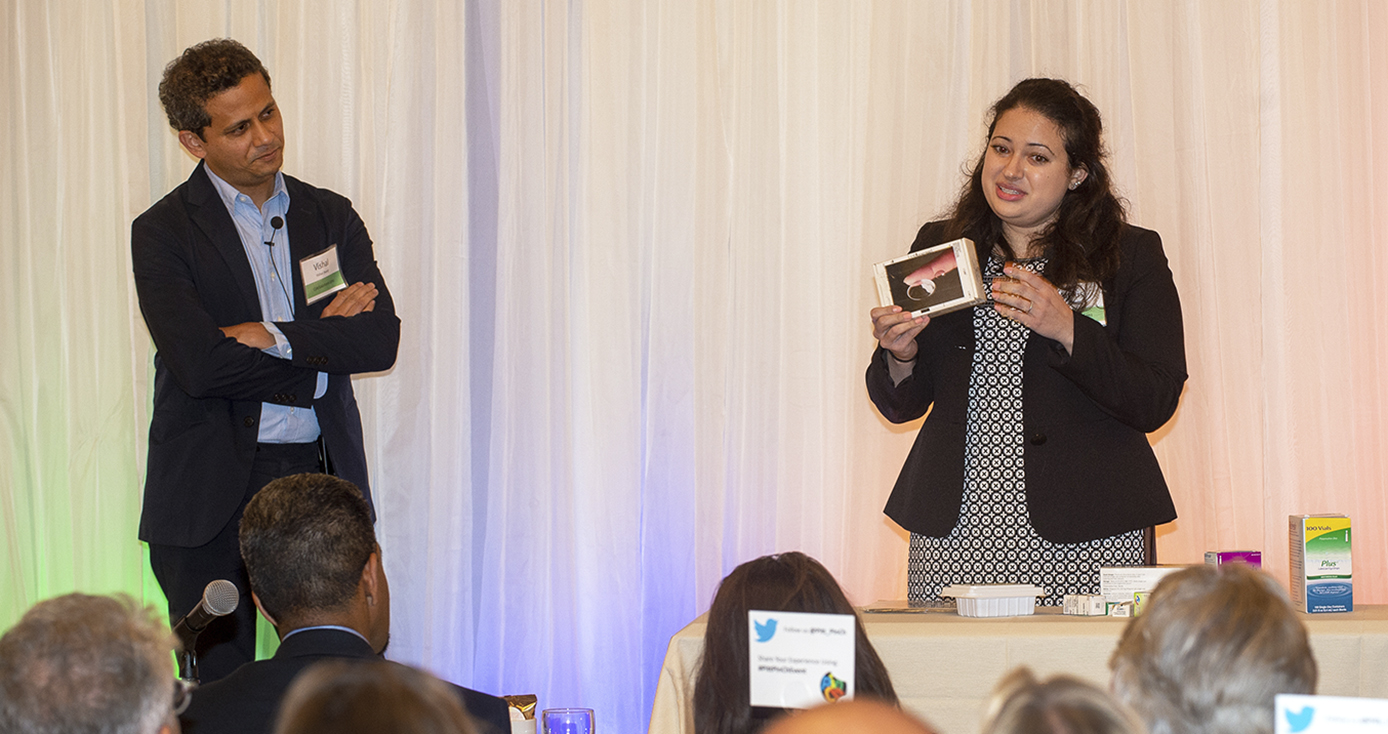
1090,472
192,277
248,700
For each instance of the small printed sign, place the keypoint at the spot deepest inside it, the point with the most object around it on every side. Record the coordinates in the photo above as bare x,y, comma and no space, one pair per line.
322,275
1298,714
798,659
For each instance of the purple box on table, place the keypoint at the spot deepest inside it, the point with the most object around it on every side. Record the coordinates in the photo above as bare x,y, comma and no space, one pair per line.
1252,558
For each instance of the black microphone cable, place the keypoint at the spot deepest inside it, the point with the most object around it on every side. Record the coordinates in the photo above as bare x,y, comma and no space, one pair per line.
275,224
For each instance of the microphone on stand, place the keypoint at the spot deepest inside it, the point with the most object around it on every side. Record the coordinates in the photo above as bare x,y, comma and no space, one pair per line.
219,599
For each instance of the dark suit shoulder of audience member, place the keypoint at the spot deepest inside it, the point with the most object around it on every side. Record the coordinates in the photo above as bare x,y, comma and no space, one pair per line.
786,582
250,698
338,698
316,575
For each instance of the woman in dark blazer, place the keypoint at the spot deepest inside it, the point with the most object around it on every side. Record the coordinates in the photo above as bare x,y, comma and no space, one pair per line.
1033,464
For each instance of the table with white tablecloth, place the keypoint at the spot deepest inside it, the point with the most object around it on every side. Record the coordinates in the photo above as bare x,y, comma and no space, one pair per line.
943,666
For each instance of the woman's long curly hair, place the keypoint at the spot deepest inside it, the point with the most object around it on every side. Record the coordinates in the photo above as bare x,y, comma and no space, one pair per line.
1082,242
786,582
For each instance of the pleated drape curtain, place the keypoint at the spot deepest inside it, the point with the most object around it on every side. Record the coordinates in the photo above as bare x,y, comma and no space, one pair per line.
631,242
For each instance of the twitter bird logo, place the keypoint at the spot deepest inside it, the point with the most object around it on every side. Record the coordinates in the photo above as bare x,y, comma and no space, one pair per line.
1299,720
765,629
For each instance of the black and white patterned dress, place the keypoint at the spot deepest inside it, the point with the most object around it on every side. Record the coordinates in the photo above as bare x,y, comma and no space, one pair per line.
993,542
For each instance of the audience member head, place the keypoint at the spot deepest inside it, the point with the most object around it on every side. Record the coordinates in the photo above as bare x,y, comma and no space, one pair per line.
1059,705
1213,646
201,73
350,697
78,663
785,582
312,557
859,716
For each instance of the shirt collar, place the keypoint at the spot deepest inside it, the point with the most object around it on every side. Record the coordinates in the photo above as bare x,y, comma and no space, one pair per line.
229,193
326,627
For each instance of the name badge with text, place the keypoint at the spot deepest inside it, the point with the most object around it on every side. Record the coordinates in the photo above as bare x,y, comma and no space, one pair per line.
322,275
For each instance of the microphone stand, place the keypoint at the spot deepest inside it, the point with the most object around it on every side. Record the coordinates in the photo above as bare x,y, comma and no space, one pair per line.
219,599
188,662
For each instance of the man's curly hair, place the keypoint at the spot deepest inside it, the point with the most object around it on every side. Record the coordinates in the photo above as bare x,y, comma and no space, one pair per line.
199,74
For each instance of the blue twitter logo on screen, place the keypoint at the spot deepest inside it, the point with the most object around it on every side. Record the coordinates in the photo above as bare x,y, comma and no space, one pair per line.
765,629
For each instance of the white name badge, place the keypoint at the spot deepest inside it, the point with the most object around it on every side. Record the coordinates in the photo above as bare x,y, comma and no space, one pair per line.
322,276
799,660
1297,713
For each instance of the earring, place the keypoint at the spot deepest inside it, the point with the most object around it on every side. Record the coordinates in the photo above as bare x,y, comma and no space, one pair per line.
1073,184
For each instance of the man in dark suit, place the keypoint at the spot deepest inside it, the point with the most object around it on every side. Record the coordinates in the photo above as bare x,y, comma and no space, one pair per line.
243,278
316,575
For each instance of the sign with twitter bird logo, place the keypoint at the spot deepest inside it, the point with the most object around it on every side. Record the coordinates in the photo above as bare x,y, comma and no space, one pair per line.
798,659
1305,714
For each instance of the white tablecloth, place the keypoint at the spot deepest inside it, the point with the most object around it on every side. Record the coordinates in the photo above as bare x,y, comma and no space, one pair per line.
944,666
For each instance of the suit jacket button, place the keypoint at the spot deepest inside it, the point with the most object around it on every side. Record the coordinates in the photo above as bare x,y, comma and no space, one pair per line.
1038,438
248,421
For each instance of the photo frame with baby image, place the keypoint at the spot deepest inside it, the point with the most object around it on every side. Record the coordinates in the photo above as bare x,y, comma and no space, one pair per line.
932,281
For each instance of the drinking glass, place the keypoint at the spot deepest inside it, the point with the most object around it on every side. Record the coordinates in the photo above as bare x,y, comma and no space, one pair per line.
567,721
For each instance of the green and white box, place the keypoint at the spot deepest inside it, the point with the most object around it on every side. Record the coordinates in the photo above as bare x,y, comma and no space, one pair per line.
1119,583
1321,570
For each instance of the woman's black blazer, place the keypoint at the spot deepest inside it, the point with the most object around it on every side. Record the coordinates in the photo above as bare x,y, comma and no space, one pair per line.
1090,472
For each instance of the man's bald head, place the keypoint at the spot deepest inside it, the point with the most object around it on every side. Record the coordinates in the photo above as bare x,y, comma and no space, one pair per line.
863,716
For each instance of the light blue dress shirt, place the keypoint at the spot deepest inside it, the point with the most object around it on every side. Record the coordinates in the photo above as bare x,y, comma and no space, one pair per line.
274,284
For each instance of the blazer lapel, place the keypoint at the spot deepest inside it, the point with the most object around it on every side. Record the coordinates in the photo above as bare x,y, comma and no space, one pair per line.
306,237
209,213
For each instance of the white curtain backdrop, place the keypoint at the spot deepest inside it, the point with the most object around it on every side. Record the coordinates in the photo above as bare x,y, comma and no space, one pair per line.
630,242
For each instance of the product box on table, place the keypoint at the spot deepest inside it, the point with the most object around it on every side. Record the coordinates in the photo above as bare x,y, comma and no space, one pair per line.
1321,569
1084,605
1251,557
1118,583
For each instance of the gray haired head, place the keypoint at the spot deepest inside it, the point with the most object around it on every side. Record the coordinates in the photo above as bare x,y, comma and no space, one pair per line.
82,664
1214,645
